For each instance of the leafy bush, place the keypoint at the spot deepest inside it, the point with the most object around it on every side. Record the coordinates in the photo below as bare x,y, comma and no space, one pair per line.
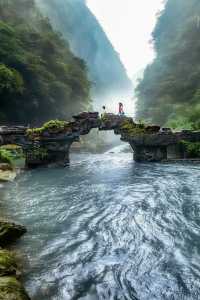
14,151
179,123
5,156
55,125
193,149
10,80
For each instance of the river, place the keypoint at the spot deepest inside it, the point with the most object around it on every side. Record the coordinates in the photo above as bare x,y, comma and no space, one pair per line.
109,228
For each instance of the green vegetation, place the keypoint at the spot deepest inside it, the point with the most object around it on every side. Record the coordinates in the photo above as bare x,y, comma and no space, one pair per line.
10,81
8,264
11,154
11,288
40,78
5,156
39,153
11,157
169,93
191,148
50,126
131,129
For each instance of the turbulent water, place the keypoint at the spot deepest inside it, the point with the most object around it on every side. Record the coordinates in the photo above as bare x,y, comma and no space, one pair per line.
108,228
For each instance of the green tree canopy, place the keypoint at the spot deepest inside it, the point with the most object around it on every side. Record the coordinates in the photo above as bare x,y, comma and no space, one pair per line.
40,78
169,93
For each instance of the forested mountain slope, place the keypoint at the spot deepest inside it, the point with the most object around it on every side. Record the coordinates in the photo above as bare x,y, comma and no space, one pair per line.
88,41
170,90
40,78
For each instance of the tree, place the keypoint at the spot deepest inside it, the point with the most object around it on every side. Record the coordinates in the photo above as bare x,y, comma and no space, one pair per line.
168,94
11,81
40,78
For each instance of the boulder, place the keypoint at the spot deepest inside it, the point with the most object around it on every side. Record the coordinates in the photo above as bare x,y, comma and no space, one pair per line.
8,264
12,289
86,115
8,175
152,129
5,167
10,232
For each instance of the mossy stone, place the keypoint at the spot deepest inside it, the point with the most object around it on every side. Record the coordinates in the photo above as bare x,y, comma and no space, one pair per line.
10,232
12,289
8,264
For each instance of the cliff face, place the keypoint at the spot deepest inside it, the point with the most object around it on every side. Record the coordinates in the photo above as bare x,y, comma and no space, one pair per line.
88,41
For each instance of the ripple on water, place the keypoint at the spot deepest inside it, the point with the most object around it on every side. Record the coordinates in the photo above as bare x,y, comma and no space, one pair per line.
109,228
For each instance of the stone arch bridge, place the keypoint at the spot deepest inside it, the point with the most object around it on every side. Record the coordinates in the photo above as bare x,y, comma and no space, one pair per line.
52,145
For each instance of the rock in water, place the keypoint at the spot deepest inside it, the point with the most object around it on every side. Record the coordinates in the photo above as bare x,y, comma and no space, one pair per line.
8,264
7,175
10,232
12,289
6,167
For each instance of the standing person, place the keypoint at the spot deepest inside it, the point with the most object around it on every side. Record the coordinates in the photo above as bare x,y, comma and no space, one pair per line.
121,109
103,111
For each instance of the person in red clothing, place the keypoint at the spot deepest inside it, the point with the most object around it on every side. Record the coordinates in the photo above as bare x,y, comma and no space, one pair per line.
121,109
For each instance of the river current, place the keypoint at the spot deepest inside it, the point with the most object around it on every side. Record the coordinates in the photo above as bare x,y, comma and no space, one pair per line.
109,228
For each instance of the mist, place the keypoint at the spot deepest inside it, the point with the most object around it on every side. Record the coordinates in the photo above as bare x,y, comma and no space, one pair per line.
107,74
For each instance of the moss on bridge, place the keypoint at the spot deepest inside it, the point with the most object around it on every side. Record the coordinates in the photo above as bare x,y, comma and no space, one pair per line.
52,126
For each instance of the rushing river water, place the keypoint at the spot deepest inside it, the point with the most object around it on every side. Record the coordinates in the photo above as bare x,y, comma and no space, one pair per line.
108,228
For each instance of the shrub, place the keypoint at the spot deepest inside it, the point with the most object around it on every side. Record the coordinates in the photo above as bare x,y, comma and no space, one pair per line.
131,128
10,80
5,156
192,148
14,151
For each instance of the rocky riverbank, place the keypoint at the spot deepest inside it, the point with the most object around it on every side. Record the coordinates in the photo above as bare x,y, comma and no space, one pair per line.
11,287
7,173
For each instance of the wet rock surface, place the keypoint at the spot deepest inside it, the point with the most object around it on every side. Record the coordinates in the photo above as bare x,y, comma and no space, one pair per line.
10,286
10,232
5,167
8,265
7,175
12,289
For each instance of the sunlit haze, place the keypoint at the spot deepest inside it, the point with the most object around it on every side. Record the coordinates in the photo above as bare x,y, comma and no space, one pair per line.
128,24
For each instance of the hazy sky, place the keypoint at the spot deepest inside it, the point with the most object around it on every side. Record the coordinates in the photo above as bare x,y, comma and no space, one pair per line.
128,24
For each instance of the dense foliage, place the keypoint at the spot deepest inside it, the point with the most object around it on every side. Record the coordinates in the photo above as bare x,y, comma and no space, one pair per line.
10,154
192,149
39,76
5,156
169,93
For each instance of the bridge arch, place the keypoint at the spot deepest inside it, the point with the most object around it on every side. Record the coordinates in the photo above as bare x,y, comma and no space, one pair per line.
51,143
